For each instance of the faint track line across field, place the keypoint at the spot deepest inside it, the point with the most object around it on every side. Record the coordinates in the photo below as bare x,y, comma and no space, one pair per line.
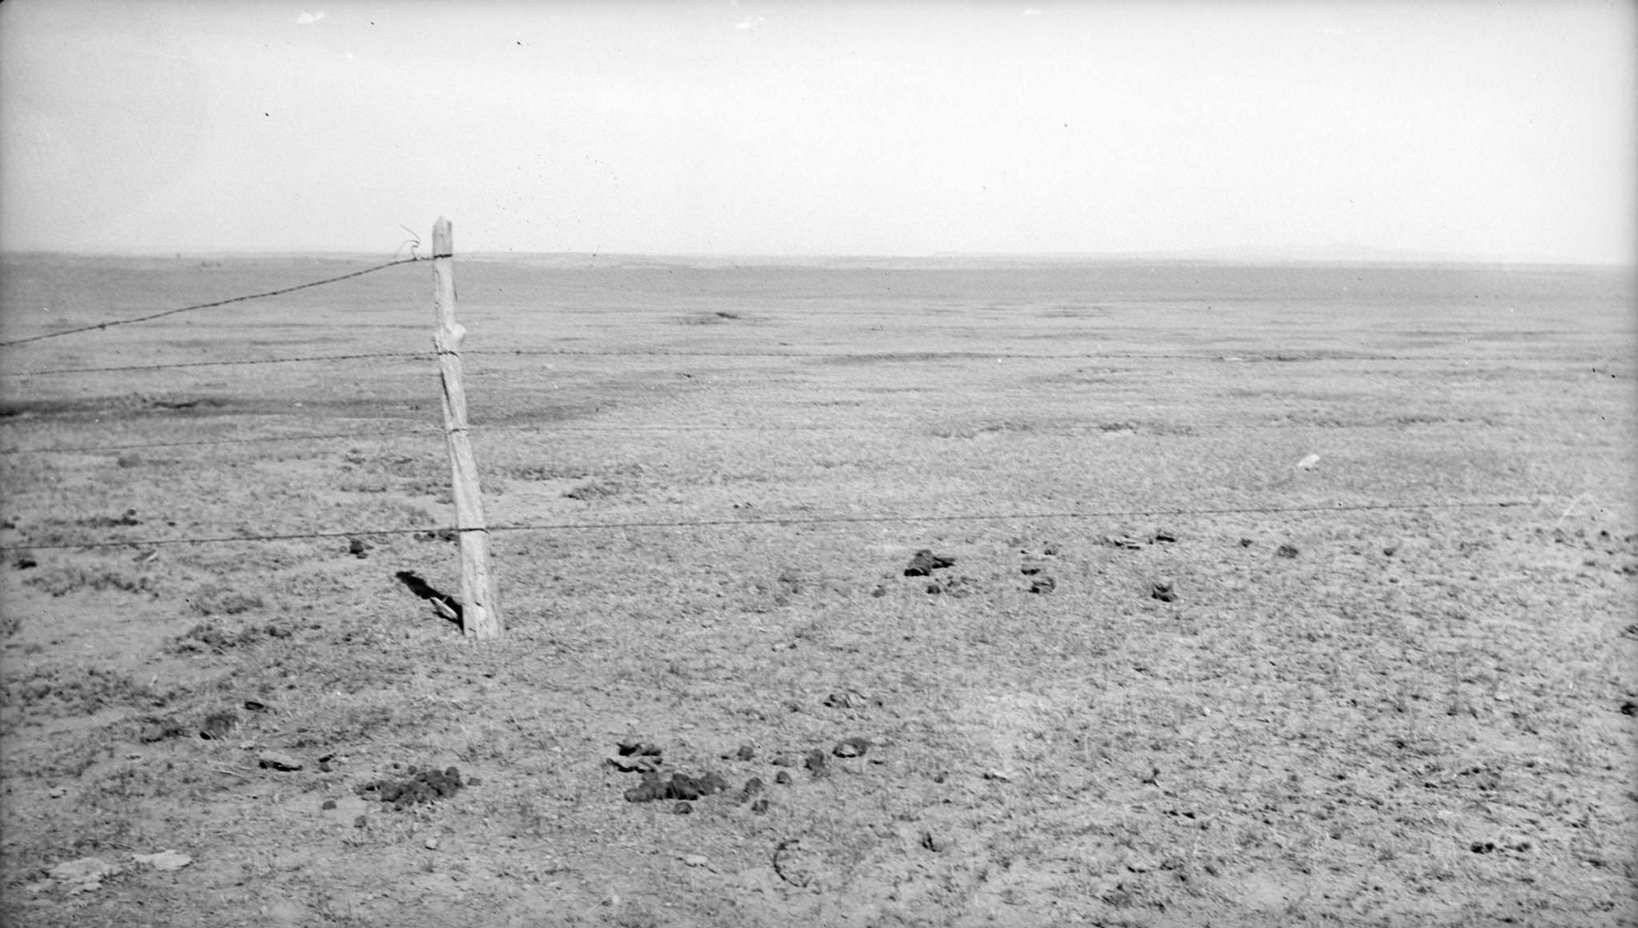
836,356
97,326
784,520
556,427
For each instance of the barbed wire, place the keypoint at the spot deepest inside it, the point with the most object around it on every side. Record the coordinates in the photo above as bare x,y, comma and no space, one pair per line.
781,520
211,305
175,365
1050,515
900,518
932,355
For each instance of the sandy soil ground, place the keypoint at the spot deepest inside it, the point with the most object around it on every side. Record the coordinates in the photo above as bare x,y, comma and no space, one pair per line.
1277,596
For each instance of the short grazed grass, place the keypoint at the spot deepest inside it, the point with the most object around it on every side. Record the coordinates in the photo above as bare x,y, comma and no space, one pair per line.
1420,715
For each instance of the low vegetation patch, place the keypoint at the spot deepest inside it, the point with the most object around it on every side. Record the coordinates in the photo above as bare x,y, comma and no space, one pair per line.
81,690
208,636
62,580
223,600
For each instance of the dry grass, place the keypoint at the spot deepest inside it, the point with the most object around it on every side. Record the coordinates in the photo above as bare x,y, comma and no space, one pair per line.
1417,719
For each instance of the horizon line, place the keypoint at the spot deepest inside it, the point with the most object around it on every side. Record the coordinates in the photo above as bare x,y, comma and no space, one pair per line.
1249,255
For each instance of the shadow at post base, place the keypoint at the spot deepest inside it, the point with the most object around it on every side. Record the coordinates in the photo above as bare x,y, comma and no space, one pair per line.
445,605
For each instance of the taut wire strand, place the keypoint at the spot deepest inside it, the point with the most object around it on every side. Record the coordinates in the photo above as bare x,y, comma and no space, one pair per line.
197,306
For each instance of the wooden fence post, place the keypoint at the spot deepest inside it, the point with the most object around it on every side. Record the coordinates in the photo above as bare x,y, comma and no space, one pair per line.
480,608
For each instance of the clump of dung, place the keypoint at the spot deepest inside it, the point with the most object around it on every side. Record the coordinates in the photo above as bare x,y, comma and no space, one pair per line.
419,787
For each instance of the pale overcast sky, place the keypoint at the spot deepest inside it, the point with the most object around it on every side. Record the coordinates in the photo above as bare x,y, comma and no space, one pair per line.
1492,129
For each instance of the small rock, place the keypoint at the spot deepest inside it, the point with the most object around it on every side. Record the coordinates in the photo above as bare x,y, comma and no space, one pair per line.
218,725
851,747
164,860
57,792
1138,862
745,752
784,760
695,860
274,760
879,591
760,806
849,699
361,821
430,844
1162,590
1163,537
938,844
638,748
1246,542
683,808
1388,550
328,805
1629,707
816,763
1043,584
783,778
636,763
1286,551
25,563
925,562
358,547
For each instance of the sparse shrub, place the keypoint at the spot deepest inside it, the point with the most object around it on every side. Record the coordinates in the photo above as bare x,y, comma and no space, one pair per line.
363,485
344,724
223,600
207,636
59,581
81,690
129,517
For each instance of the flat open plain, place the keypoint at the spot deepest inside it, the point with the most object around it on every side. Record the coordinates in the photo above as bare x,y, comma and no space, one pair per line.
1392,682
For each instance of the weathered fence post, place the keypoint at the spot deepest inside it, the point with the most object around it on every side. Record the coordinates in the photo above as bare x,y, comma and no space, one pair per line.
480,608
